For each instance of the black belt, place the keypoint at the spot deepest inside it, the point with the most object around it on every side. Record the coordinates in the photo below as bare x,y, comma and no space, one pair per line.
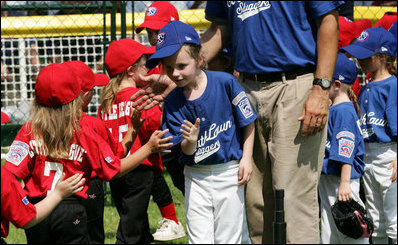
277,76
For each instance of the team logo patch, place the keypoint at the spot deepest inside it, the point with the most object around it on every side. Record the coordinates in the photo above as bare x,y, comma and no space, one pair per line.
18,151
364,35
246,108
108,159
161,38
238,98
151,11
345,134
346,147
25,201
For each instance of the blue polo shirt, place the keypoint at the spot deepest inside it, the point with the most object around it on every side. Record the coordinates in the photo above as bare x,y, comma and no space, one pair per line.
223,109
344,143
271,36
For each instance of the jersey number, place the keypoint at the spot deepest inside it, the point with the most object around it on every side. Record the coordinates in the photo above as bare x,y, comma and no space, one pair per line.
53,166
122,130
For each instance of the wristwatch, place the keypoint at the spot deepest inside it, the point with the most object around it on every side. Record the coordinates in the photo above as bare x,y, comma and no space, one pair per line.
323,82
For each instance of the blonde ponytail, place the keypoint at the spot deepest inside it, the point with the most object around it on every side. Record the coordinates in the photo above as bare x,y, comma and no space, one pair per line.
109,92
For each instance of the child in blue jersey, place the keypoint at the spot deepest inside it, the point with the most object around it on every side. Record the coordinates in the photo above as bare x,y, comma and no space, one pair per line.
343,164
375,50
211,118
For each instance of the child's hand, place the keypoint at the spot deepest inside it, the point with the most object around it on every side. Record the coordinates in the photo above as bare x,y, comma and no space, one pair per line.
157,144
70,186
136,121
245,170
190,131
344,191
393,166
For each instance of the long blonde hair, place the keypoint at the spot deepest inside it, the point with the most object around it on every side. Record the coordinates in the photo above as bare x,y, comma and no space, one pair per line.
109,92
55,127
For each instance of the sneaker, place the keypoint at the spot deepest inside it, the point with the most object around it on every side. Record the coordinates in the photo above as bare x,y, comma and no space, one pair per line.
168,230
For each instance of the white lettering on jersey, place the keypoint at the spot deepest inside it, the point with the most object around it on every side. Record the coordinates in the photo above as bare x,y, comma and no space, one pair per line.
245,11
369,119
213,132
124,110
204,152
53,166
76,153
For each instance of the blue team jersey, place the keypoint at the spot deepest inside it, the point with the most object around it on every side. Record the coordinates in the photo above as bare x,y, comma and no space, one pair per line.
344,143
223,109
378,102
271,36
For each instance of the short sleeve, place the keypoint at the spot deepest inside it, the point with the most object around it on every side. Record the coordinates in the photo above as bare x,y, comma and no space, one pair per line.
20,156
242,108
100,155
344,142
319,8
173,122
215,12
15,206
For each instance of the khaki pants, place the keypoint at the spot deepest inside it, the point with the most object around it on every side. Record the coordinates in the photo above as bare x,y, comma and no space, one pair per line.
283,160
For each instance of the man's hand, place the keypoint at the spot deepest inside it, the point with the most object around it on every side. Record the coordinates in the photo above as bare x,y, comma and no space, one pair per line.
154,93
393,166
315,112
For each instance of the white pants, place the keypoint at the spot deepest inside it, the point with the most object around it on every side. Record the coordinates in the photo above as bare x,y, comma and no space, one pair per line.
328,193
381,193
214,204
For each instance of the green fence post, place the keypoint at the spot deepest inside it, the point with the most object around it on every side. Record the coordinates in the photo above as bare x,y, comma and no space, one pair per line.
113,21
123,19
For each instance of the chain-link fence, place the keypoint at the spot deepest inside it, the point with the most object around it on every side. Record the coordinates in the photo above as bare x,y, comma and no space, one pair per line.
37,33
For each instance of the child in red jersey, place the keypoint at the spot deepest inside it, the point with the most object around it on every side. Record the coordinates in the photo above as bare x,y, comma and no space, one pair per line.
15,207
54,141
125,61
95,201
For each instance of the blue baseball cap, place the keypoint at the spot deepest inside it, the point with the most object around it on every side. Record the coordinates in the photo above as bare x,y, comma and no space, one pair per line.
372,41
345,70
170,39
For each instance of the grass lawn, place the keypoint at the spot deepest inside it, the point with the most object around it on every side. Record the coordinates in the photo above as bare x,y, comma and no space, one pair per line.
111,219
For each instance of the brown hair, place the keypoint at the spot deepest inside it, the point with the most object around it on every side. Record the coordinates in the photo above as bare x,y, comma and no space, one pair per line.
55,127
352,97
389,62
196,53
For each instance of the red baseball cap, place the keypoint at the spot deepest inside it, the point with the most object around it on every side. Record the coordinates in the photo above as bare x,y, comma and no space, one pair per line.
57,85
349,30
387,20
88,77
157,15
123,53
4,118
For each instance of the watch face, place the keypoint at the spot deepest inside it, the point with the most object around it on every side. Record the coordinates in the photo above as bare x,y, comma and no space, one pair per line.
325,83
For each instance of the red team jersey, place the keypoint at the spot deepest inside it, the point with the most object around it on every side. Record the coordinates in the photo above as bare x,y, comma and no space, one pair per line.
40,173
15,207
118,122
99,127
